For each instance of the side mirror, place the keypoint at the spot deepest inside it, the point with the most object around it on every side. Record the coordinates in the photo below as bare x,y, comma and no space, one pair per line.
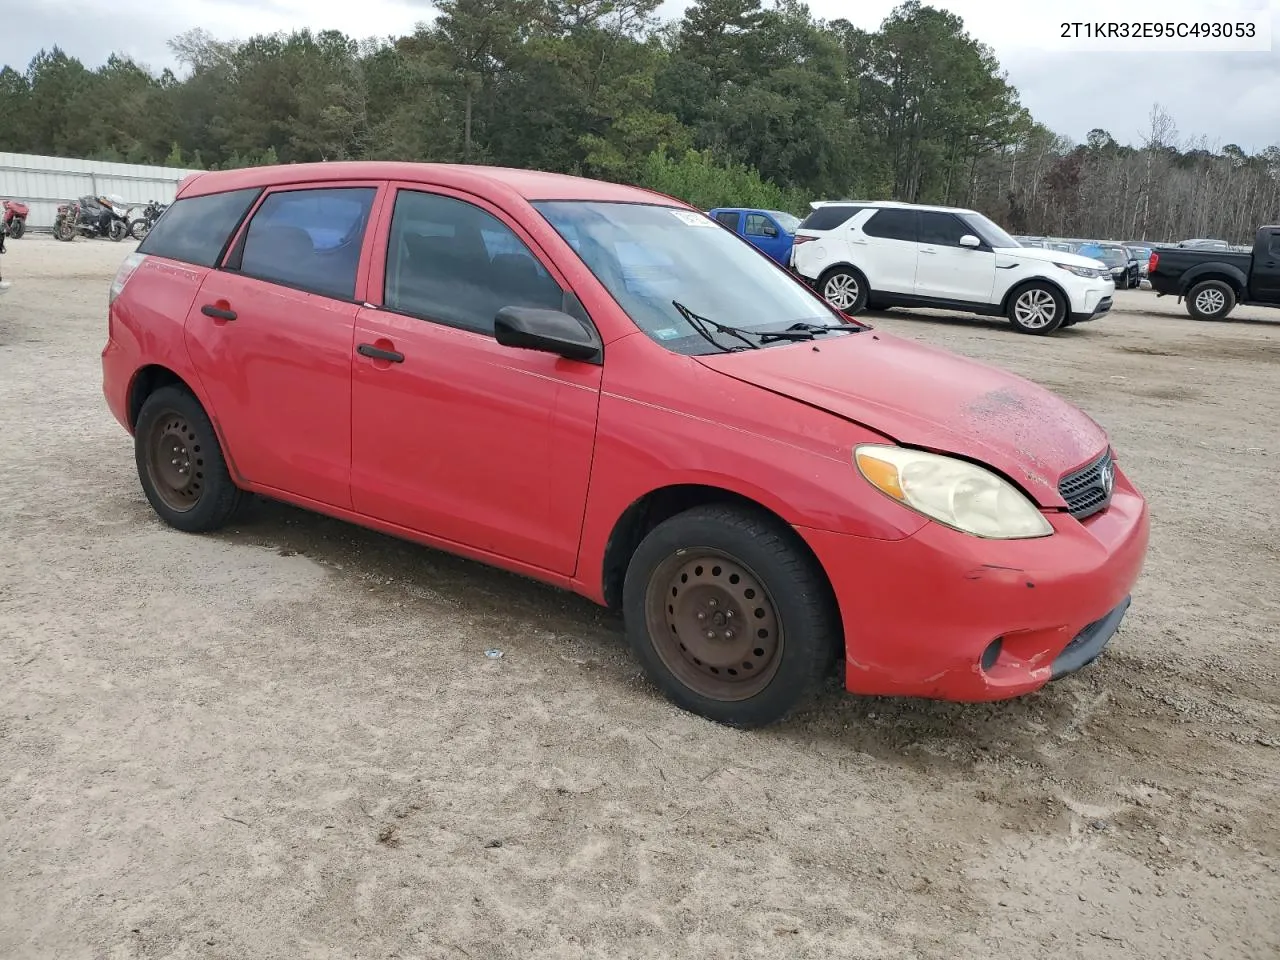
770,230
970,241
549,331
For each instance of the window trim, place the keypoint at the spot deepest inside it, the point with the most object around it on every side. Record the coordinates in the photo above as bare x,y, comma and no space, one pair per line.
376,294
233,254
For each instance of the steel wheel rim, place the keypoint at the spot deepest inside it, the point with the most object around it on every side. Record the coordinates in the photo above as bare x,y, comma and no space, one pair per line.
841,291
1210,301
1035,308
175,462
714,624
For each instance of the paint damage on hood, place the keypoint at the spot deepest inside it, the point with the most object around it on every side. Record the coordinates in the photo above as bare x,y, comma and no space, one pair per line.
925,397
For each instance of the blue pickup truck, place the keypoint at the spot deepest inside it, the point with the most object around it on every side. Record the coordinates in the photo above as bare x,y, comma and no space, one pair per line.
772,231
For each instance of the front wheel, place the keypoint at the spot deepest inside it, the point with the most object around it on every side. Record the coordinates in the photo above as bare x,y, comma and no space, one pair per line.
180,463
119,230
1037,309
64,230
1211,300
17,227
844,289
138,229
729,615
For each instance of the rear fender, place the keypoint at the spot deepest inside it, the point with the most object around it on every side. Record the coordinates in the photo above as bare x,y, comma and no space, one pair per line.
1214,271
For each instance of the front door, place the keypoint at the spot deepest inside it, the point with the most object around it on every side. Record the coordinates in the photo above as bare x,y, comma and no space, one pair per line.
1264,284
766,235
270,336
454,435
948,271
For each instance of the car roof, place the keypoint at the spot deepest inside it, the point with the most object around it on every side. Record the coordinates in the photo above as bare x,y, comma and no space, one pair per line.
888,203
529,185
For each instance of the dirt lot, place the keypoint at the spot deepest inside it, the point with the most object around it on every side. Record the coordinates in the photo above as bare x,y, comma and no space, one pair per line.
286,741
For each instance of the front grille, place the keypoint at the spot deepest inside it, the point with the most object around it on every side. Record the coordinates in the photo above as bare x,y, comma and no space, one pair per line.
1088,490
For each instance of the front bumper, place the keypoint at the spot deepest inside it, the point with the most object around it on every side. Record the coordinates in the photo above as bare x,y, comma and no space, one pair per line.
947,616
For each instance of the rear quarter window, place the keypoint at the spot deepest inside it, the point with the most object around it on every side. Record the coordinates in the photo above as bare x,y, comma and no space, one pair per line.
196,229
828,218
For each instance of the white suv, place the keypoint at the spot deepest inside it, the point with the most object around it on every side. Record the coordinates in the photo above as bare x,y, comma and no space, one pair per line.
882,254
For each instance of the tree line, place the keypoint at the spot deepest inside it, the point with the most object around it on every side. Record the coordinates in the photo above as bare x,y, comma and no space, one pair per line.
735,103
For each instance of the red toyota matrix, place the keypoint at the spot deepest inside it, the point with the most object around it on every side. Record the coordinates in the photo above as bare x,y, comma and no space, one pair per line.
597,386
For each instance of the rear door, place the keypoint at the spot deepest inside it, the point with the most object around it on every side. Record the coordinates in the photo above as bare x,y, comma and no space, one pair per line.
947,270
270,335
885,248
1264,283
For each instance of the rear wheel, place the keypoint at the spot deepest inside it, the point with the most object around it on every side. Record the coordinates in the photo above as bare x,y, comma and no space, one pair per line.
17,227
1038,309
119,230
845,289
729,615
138,229
180,463
1211,300
65,231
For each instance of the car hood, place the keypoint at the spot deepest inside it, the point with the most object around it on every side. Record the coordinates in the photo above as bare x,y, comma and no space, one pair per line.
924,397
1049,256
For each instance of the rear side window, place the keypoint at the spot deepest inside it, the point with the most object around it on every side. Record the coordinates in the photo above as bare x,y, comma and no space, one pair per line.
828,218
309,239
728,219
196,229
891,223
450,262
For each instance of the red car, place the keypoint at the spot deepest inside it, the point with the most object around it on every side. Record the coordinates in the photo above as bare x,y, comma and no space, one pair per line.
596,386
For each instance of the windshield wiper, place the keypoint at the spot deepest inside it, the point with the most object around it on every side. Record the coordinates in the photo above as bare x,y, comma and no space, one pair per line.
701,324
802,330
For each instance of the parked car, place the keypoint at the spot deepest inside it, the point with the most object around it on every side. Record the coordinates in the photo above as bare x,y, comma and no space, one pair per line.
884,254
593,385
1117,258
1142,254
772,231
1213,281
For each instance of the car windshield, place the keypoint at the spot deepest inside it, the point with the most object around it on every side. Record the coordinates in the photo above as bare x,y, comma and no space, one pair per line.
1114,257
648,256
987,229
786,221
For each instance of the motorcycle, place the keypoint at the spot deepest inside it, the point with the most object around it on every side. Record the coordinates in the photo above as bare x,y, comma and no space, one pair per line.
15,218
139,228
92,217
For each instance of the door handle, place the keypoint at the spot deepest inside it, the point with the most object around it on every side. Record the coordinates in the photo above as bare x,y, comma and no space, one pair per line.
928,250
218,313
377,353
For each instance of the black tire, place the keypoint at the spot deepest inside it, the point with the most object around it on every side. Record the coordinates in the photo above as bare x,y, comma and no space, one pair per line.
173,426
760,570
138,229
64,231
1211,300
17,227
838,282
118,230
1037,308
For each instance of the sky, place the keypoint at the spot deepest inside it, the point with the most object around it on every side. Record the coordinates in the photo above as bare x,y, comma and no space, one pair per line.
1224,96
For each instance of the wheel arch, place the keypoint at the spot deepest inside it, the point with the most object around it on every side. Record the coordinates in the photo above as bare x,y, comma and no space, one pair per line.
146,381
1224,273
1023,284
651,509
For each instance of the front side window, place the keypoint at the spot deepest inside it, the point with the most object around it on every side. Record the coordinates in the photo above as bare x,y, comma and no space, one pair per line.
196,229
648,256
941,229
309,239
453,263
758,225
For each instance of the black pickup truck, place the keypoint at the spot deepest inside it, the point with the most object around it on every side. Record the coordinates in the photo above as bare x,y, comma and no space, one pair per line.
1214,281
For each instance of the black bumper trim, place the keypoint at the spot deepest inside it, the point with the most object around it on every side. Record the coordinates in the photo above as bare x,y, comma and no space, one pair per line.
1089,642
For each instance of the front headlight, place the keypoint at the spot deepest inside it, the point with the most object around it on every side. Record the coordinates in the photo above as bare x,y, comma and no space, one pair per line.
1089,273
954,492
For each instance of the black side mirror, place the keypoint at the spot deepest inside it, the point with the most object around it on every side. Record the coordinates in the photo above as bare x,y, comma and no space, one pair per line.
549,331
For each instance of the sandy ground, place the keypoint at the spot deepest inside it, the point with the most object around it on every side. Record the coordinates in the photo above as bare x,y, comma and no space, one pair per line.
286,741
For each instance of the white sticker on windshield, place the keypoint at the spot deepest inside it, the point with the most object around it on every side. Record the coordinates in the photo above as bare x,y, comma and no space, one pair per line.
667,333
693,219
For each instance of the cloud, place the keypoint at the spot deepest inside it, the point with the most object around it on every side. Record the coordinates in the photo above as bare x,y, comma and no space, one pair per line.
1224,97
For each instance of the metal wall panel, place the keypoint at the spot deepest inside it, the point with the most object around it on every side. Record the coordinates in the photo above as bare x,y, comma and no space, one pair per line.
44,182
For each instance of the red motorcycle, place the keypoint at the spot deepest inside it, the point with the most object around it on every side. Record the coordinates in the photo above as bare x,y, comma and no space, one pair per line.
15,218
